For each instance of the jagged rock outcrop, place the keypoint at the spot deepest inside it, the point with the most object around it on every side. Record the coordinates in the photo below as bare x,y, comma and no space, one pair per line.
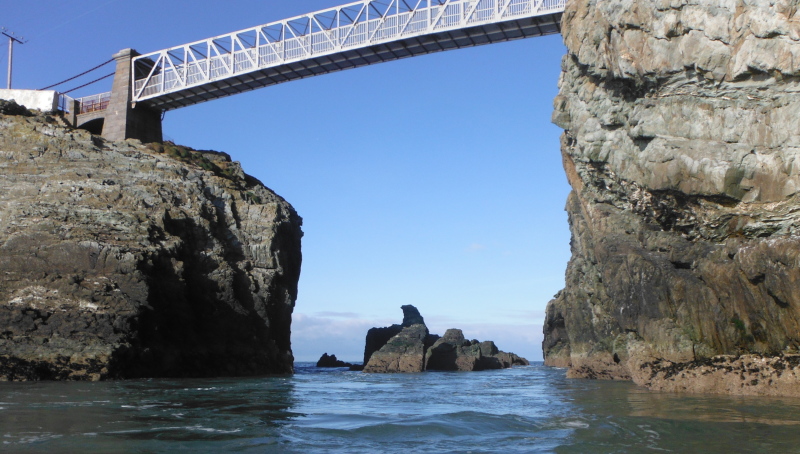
414,349
378,337
331,361
405,352
119,260
681,145
454,352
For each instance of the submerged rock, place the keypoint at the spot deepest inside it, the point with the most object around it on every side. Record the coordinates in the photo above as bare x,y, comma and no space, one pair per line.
413,349
681,123
119,260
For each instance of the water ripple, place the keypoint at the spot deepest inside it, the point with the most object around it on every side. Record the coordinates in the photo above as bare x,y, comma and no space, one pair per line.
527,410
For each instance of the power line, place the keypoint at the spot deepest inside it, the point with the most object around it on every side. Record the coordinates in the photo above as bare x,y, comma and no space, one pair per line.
12,36
87,84
79,75
72,17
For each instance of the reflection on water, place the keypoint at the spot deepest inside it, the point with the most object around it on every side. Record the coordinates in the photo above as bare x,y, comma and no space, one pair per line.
768,410
622,417
528,409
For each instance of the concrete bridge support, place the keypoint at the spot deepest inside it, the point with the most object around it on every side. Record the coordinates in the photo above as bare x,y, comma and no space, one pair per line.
122,119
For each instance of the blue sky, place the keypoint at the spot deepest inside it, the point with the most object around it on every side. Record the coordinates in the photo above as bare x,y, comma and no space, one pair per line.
434,181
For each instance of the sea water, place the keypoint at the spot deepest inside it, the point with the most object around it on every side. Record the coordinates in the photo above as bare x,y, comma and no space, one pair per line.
525,409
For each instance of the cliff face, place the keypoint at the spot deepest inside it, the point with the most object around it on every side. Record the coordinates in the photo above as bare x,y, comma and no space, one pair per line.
119,260
682,146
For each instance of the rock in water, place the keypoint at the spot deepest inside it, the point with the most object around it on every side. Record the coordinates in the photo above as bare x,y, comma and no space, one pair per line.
404,352
378,337
331,361
454,352
681,123
119,260
413,349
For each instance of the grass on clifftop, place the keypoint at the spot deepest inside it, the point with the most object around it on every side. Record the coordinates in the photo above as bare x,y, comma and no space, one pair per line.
219,166
216,162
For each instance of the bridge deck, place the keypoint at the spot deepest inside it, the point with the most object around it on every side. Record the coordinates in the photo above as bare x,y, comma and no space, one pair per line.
349,36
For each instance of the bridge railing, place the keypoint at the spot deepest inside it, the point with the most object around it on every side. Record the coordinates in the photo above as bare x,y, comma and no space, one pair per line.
93,103
360,24
65,103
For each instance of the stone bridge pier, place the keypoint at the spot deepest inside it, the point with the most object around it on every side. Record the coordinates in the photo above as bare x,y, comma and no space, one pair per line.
122,119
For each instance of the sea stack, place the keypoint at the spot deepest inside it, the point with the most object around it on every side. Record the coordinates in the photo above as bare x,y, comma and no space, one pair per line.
124,260
681,145
332,361
413,349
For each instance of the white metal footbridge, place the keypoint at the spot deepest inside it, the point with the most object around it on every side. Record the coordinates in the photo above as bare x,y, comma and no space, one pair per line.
347,36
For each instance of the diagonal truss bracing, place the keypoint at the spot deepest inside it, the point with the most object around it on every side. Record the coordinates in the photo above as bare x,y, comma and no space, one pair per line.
347,36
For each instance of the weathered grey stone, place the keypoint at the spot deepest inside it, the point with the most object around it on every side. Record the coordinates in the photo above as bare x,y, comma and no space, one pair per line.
410,348
119,260
331,361
682,130
404,352
453,352
378,337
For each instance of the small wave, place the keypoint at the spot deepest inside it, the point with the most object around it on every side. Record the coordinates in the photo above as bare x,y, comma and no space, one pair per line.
25,439
576,424
176,428
217,431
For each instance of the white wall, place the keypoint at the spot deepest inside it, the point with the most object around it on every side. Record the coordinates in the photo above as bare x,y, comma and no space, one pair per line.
44,100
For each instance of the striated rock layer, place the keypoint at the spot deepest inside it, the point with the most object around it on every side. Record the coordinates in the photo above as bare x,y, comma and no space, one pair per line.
120,260
681,144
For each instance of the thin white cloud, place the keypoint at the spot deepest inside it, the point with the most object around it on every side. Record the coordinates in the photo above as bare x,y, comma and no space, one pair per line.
337,314
313,335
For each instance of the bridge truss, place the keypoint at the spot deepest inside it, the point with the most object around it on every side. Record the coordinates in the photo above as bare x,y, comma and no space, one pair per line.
347,36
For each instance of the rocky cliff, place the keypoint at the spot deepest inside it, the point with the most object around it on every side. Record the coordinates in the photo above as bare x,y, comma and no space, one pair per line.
120,260
681,144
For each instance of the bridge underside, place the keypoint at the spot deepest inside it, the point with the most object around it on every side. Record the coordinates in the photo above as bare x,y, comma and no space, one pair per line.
354,58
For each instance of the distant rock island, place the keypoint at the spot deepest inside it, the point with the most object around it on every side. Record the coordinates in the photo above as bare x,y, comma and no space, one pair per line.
409,347
331,361
124,260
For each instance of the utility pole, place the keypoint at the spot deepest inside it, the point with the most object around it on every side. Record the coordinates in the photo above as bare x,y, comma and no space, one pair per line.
11,39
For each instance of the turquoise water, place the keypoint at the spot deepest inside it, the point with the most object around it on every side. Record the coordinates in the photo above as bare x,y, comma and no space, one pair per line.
527,409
